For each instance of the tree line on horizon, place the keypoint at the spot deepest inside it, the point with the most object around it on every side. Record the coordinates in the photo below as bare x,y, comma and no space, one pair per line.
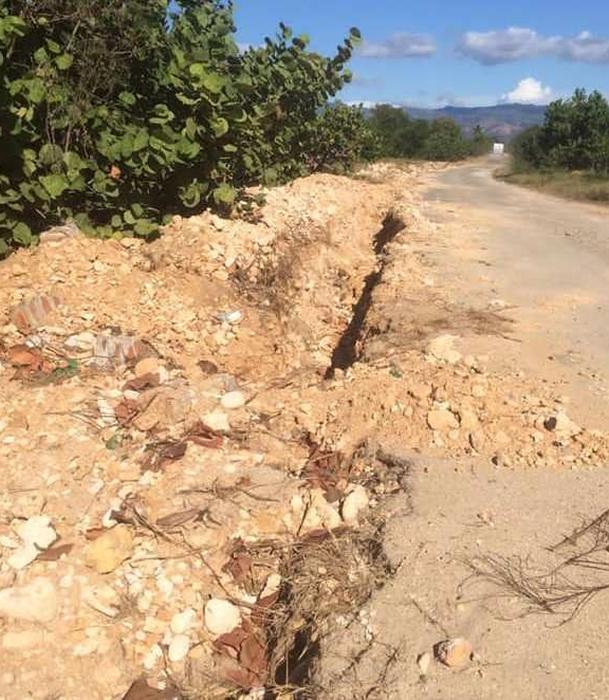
442,139
573,137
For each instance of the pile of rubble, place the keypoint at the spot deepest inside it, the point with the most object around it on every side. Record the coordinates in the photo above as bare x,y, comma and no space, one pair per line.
172,426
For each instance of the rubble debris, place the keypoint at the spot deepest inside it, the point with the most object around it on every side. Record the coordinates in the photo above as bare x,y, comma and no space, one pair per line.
108,551
37,601
454,653
33,313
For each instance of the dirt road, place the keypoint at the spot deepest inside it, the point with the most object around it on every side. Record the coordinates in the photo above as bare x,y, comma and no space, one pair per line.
546,260
542,263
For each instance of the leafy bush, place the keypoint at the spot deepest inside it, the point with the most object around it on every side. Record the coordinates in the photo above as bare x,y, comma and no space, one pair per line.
574,136
480,143
339,137
445,141
526,149
114,111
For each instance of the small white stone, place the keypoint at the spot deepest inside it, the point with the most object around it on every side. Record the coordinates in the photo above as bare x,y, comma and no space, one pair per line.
35,602
221,616
178,648
152,658
233,400
183,622
423,662
218,421
355,501
18,641
441,348
23,556
272,586
38,531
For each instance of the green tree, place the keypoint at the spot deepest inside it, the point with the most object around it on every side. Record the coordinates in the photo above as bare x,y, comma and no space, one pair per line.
445,141
574,136
480,143
526,149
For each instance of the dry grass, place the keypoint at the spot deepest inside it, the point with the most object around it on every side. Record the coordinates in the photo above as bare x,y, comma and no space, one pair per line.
581,186
579,574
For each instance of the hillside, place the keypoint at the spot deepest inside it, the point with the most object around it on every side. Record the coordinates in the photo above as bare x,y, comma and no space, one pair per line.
503,122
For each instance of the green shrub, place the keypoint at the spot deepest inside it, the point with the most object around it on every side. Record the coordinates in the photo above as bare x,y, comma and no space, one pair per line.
114,111
574,136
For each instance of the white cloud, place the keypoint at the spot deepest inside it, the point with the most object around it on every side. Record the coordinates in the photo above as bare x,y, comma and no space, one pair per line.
370,104
529,91
517,43
400,45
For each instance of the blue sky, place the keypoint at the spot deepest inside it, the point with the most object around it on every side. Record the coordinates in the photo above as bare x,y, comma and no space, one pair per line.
436,52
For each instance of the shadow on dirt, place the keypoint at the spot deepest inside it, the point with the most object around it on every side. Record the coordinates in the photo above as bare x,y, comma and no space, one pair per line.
346,352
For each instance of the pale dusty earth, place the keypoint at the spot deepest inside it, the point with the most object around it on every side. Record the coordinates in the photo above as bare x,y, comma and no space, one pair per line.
279,457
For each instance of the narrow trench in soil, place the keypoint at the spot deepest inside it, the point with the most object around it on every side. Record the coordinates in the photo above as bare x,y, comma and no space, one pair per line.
296,668
346,352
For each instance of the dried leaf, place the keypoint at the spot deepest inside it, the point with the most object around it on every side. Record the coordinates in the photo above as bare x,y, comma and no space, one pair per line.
140,690
239,566
125,412
55,553
94,532
207,367
324,469
177,519
24,356
201,435
230,643
263,605
161,453
231,671
254,658
146,381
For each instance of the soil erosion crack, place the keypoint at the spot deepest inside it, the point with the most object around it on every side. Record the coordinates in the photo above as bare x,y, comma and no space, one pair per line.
347,351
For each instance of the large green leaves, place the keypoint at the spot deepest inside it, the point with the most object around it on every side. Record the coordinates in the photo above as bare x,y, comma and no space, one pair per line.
117,124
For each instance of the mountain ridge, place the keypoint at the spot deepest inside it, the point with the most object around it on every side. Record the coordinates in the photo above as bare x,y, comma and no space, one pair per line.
502,121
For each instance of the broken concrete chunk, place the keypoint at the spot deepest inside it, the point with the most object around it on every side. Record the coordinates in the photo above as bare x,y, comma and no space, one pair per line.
34,312
178,648
442,420
233,400
441,348
355,502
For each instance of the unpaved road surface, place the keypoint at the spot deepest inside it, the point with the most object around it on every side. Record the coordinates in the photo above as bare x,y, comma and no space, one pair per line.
546,259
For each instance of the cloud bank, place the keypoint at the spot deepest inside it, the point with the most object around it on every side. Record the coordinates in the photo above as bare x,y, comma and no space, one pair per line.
400,45
515,43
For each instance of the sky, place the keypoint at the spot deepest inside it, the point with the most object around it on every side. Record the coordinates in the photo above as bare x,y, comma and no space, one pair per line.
460,52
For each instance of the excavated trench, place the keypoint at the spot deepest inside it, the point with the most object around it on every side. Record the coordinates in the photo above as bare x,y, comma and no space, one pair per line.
348,349
302,655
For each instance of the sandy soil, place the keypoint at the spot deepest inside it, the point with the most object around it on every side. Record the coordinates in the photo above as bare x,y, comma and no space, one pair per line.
266,454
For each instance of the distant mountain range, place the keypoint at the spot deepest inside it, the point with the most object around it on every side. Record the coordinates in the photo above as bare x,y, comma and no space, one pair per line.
502,122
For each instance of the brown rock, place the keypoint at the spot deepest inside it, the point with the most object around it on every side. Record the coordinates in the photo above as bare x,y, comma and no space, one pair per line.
110,550
454,653
149,365
442,420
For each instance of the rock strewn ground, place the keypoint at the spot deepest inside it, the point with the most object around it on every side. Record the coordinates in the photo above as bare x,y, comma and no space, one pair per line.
176,408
